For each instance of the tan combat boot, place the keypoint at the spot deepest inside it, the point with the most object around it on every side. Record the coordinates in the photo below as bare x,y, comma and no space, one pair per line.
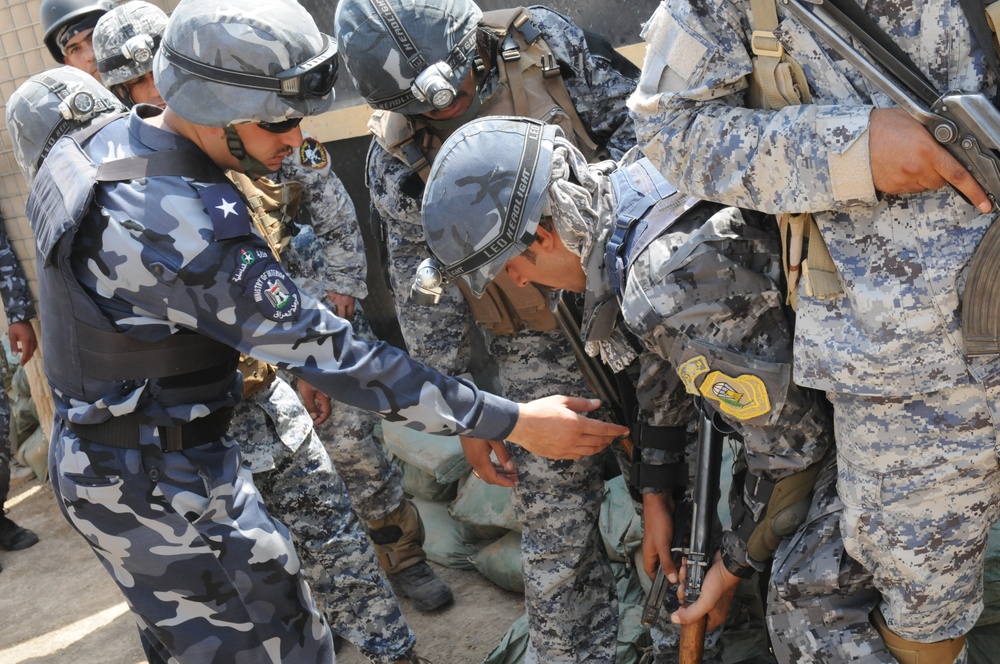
912,652
398,540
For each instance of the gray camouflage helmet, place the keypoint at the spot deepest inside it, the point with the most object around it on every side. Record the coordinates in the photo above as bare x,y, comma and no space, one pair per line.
125,41
55,15
485,195
51,104
222,62
408,56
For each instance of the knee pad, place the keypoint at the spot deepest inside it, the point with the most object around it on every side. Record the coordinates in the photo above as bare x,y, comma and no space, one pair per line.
912,652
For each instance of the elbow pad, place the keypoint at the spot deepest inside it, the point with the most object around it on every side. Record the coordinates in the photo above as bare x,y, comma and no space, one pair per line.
766,512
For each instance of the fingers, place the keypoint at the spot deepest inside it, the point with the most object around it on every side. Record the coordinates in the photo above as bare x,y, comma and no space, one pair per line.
324,408
691,614
477,451
505,468
906,159
553,427
952,172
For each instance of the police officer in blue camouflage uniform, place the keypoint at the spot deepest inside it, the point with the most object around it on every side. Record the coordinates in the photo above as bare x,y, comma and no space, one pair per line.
42,109
165,274
297,480
427,67
20,310
691,290
916,419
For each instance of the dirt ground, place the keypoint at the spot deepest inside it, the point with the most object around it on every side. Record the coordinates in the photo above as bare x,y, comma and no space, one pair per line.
58,605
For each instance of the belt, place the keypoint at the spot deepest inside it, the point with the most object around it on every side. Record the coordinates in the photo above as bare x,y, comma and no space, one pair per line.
123,431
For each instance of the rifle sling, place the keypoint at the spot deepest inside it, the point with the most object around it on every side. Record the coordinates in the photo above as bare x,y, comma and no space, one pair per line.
881,46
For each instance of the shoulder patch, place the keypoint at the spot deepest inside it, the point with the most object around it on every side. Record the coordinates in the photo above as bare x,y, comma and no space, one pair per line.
689,372
744,397
313,154
229,214
263,281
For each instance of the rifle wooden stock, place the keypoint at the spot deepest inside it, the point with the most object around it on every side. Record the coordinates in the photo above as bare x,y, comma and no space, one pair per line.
692,643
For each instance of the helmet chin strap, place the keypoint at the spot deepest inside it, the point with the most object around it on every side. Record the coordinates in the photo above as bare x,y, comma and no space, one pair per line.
252,168
123,95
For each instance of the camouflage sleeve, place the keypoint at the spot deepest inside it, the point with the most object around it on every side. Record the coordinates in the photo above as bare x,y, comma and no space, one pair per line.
327,207
691,95
438,335
233,291
664,404
705,296
599,81
17,302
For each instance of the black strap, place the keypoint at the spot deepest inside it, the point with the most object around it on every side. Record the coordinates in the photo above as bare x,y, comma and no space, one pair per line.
180,163
123,432
882,47
108,355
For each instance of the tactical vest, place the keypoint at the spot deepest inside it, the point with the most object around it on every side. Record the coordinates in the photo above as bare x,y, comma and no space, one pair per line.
86,357
272,208
530,85
646,205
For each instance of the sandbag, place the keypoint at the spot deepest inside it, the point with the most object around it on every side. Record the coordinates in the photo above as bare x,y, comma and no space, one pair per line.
447,541
423,485
440,456
621,527
500,562
486,506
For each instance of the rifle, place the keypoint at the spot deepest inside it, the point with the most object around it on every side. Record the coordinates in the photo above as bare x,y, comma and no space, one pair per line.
682,526
597,374
704,512
966,124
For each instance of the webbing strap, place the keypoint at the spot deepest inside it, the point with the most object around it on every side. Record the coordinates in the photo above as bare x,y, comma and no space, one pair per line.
638,188
181,163
123,431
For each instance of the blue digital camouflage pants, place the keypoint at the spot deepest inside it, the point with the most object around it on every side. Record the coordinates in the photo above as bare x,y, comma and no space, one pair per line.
819,598
920,482
570,594
208,574
302,489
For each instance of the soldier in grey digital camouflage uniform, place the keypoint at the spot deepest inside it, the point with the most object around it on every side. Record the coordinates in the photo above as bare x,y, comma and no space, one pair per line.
296,478
915,418
164,274
326,256
695,297
463,64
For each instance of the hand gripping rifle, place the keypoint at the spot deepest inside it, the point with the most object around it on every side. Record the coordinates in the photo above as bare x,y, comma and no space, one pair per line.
694,522
704,512
966,124
598,375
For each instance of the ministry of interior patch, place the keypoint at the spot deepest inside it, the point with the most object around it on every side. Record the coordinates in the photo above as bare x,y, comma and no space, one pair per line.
263,281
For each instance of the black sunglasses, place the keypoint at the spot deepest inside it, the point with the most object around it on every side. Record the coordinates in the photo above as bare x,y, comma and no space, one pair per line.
282,127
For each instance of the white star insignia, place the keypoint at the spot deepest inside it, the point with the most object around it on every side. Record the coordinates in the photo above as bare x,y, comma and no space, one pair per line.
227,208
